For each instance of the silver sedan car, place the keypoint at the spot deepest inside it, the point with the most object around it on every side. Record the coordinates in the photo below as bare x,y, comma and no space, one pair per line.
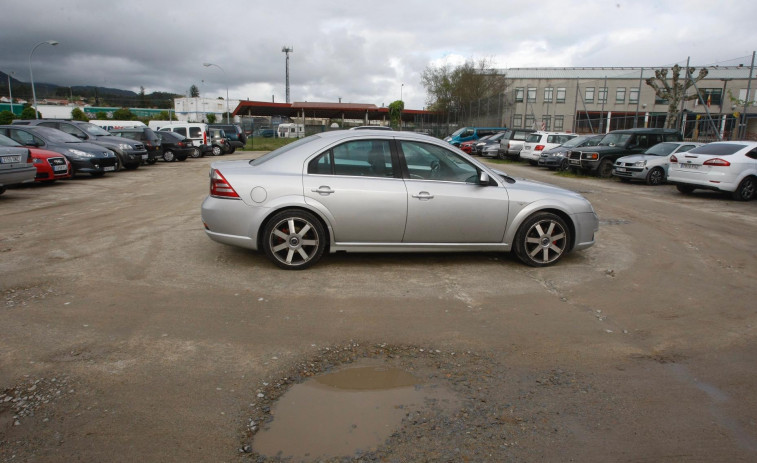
381,191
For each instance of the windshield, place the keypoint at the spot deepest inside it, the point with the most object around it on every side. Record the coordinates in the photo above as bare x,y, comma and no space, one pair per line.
55,135
5,141
282,150
93,129
661,149
615,139
573,142
718,149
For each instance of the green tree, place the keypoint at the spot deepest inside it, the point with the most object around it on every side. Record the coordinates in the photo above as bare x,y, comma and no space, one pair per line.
211,117
102,115
78,115
6,117
450,88
395,113
123,114
28,112
674,92
194,92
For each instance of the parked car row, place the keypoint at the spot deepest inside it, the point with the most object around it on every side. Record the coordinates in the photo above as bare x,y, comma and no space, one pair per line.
46,150
650,155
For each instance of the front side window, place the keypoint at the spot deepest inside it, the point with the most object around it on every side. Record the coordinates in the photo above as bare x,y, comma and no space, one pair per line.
358,158
431,162
589,95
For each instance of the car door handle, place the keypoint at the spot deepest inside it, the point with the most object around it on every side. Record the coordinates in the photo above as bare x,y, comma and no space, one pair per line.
323,190
424,195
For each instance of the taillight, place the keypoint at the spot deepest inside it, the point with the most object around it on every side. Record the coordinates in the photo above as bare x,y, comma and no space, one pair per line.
219,186
539,148
29,159
673,158
717,162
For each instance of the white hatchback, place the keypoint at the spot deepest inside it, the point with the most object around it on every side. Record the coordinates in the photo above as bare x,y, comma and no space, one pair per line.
729,166
540,141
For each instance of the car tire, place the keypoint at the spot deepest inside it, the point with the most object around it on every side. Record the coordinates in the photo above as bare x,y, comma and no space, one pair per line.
131,166
2,190
294,239
232,149
216,150
564,166
746,189
542,240
605,169
196,153
656,176
685,189
168,156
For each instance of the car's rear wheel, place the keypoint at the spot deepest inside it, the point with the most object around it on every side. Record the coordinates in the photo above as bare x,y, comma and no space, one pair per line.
232,149
216,150
294,239
168,156
196,153
656,176
542,240
685,189
746,189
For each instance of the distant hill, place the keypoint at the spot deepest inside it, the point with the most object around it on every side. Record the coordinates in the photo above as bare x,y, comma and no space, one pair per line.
96,96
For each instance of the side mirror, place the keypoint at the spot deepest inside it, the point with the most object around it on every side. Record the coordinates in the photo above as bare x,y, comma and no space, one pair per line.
483,178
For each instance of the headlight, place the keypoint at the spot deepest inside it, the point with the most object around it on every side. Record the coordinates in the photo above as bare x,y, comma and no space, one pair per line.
81,154
559,155
640,163
124,146
37,161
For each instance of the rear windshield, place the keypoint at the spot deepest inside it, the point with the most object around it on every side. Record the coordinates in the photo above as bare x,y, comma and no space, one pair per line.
718,149
282,150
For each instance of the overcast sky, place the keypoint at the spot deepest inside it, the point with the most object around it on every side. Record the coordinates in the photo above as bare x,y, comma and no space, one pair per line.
359,51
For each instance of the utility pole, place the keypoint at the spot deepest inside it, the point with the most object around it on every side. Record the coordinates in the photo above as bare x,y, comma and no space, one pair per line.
287,50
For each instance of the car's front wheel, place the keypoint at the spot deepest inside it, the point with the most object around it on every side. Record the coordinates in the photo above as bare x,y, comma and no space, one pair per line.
542,240
605,169
217,150
656,176
196,153
294,239
746,189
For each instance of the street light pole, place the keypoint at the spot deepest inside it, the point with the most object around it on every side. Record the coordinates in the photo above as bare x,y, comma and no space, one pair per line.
31,75
10,90
228,113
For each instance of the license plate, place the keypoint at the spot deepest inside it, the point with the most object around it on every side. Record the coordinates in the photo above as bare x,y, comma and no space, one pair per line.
109,168
10,159
620,169
144,157
689,166
61,168
575,162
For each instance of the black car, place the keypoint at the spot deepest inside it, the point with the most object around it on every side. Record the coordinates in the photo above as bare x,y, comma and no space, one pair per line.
85,158
234,134
146,136
130,153
557,158
174,146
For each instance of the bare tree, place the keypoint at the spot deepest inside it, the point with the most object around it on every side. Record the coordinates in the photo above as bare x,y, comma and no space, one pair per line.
449,88
675,91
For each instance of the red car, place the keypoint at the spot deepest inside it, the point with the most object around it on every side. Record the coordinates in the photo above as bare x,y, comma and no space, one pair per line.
468,146
51,166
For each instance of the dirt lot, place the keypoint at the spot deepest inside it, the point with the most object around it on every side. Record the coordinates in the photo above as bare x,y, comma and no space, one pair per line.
127,335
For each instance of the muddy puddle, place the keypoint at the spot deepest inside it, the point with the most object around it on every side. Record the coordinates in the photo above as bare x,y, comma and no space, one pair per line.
348,411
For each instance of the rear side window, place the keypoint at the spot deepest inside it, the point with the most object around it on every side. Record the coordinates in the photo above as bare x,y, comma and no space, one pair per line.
533,138
195,132
522,136
364,158
718,149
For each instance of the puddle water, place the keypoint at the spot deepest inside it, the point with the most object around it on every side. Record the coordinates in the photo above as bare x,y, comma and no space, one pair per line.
337,414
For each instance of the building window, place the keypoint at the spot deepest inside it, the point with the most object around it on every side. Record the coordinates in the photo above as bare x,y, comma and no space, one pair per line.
532,95
529,122
546,123
548,94
518,120
712,96
519,95
602,95
559,123
633,95
560,94
620,95
659,100
589,95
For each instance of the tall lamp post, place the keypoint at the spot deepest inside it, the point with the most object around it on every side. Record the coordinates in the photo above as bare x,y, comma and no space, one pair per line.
31,75
10,90
228,113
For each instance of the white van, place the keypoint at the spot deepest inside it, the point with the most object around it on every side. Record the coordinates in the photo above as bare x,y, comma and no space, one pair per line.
196,132
289,130
109,124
